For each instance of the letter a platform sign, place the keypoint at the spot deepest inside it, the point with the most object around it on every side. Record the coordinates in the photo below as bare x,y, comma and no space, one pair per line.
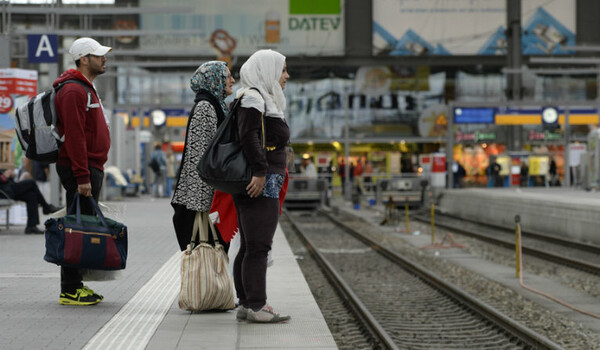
42,48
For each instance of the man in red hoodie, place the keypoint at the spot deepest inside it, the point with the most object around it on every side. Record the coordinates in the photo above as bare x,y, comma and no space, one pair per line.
81,158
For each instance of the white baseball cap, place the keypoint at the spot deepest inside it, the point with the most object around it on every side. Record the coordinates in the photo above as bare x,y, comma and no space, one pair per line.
86,46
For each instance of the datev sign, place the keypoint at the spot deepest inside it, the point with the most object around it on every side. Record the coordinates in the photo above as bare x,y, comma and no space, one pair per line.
42,48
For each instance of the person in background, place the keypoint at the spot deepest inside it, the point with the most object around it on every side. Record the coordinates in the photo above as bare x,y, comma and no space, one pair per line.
28,192
41,174
351,173
81,158
368,180
488,174
358,177
330,170
495,169
170,172
308,168
342,174
552,171
524,174
459,174
158,164
258,210
212,82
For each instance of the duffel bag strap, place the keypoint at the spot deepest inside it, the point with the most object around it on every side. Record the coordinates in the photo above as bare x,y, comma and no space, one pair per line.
77,205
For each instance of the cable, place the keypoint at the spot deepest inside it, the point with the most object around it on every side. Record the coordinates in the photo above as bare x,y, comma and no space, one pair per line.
520,262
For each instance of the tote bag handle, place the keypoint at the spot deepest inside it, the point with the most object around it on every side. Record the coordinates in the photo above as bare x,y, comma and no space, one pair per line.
200,226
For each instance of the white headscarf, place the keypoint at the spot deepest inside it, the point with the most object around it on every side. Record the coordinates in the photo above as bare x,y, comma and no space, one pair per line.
262,71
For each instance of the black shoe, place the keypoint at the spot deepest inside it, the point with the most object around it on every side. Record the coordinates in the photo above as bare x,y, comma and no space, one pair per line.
51,208
33,230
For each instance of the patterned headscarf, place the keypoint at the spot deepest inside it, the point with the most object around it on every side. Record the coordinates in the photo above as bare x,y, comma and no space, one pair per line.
212,77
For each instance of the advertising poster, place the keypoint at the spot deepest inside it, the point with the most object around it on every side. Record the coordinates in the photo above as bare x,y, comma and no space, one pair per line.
316,109
469,27
504,162
16,87
376,105
230,27
538,165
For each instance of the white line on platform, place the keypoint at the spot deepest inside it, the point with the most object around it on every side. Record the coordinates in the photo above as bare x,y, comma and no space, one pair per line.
133,326
30,275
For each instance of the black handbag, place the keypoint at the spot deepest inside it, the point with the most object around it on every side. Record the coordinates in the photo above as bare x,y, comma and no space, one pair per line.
224,166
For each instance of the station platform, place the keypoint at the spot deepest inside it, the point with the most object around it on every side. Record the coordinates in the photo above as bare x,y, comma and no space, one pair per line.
565,212
139,310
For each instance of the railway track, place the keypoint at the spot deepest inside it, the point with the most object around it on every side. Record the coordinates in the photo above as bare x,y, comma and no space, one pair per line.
581,256
401,303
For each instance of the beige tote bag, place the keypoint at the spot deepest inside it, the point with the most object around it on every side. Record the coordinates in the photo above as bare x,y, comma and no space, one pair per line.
206,283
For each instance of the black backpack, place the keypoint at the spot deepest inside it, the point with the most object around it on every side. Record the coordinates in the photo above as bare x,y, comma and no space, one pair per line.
154,165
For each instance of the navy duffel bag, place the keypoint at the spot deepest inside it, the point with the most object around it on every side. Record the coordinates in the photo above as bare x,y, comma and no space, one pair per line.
86,241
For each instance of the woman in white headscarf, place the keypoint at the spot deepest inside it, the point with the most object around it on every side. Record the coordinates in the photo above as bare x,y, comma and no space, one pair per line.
263,78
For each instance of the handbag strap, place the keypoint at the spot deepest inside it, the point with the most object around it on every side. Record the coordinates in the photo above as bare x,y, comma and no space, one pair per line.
262,124
200,227
262,120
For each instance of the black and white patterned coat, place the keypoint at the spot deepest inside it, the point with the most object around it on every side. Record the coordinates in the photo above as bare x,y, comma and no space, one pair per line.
190,190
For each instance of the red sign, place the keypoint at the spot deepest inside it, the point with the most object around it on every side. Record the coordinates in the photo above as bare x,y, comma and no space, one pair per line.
439,164
6,102
16,87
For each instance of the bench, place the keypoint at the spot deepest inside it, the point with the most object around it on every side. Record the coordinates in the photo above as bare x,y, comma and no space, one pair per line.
116,190
6,203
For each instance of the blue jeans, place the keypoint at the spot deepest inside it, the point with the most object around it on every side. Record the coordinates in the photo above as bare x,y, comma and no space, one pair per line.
169,187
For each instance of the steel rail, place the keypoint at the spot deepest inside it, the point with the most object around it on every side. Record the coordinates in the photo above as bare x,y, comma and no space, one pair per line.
357,305
592,248
527,335
572,262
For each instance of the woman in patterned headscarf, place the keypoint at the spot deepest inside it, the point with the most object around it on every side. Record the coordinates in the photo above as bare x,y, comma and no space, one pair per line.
212,82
